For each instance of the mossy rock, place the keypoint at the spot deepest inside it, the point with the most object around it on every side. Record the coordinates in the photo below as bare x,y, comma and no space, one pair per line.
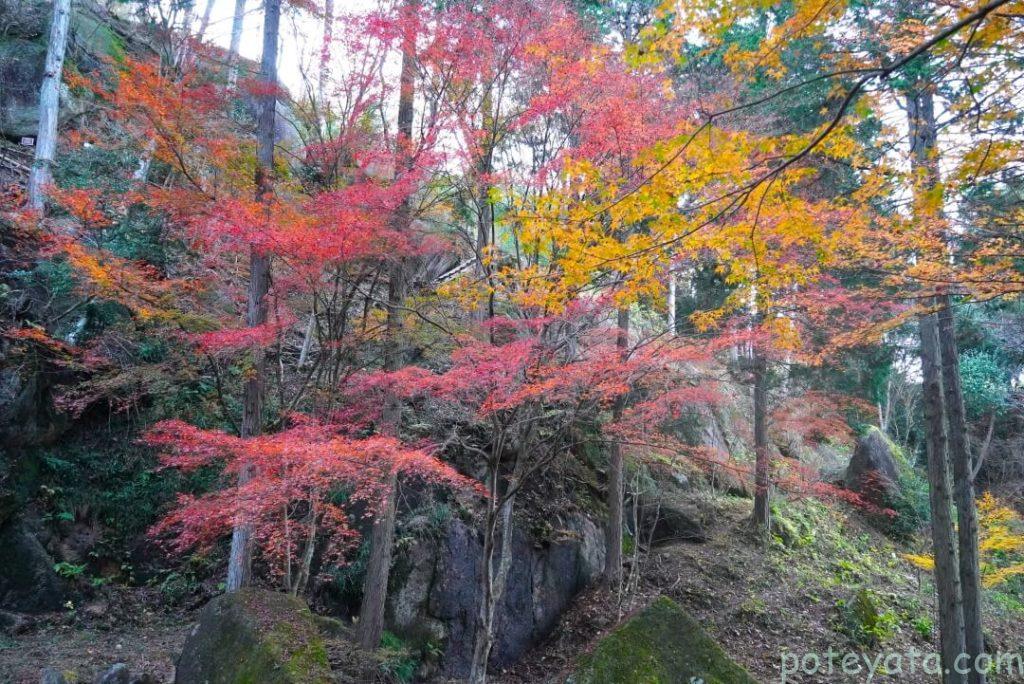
660,645
252,636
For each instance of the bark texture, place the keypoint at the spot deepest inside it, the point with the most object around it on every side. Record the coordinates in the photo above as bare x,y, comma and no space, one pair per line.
613,528
237,25
963,490
240,559
378,569
49,105
762,455
923,137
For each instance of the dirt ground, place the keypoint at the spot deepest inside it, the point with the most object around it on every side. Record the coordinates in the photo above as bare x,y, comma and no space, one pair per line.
121,627
760,601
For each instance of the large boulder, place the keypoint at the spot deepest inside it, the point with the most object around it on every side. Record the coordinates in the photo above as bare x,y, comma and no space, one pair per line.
254,636
28,583
661,644
436,589
873,471
670,520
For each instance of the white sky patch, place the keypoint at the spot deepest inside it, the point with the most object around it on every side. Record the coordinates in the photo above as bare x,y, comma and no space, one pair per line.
301,35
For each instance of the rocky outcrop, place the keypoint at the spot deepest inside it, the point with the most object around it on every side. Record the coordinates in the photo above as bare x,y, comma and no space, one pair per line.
668,517
873,471
27,417
28,583
659,644
254,636
724,432
435,595
22,57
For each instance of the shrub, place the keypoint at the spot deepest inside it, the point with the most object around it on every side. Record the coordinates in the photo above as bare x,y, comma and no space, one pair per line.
864,620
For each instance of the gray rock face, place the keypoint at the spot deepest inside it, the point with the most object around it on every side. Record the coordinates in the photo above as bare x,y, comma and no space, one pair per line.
24,32
436,592
22,57
26,414
873,472
28,583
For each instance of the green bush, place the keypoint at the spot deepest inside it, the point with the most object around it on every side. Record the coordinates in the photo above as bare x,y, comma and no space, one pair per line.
911,506
924,626
986,385
397,660
348,579
69,570
865,620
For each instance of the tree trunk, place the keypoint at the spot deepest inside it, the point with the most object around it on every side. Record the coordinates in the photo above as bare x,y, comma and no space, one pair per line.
237,25
240,561
49,105
493,579
485,224
378,570
483,638
302,578
204,23
307,340
762,455
947,580
613,527
325,57
924,161
671,303
963,491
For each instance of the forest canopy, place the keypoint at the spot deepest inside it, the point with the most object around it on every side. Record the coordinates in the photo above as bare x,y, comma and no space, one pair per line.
500,264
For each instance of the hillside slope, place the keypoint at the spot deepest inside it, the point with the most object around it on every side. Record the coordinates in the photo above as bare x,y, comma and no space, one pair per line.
836,583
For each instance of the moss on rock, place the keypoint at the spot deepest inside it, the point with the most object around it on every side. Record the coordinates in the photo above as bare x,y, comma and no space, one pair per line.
660,645
254,636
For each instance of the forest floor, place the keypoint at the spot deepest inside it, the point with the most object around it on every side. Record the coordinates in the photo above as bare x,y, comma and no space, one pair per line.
760,601
129,626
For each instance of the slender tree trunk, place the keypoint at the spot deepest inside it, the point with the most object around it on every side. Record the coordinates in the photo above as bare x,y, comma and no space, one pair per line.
483,639
494,580
762,454
979,457
494,567
308,550
237,25
49,105
307,340
378,569
963,491
921,116
671,303
204,23
485,225
240,561
947,579
325,57
613,527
